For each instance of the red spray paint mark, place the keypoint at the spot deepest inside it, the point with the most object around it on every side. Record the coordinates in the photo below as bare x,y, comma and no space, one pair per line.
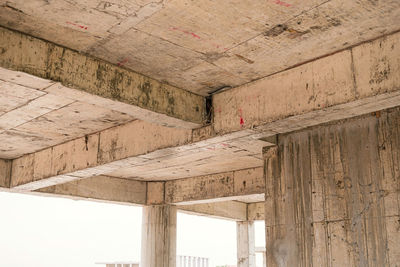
281,3
194,35
241,117
122,62
77,25
185,32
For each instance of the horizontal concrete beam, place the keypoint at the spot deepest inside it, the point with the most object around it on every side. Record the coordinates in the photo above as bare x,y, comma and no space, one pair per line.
320,87
132,192
89,155
216,187
102,188
73,69
231,210
256,211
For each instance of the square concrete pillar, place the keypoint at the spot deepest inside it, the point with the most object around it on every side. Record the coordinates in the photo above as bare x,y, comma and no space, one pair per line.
246,256
159,236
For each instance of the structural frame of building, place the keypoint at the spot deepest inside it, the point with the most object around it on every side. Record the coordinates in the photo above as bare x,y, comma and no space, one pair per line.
282,111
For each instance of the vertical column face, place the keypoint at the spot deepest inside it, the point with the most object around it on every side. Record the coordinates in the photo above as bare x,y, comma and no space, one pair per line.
332,194
159,236
245,244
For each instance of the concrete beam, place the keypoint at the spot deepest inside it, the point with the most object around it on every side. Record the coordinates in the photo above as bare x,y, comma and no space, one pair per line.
228,210
216,187
88,156
108,150
127,191
256,211
101,188
73,69
335,87
5,173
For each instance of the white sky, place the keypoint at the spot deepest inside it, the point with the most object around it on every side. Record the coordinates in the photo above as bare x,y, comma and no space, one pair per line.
47,232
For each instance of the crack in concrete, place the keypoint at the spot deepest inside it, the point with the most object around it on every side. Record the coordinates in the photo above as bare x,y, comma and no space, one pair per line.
8,4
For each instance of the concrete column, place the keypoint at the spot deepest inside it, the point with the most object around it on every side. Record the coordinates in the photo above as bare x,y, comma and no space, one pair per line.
246,256
159,236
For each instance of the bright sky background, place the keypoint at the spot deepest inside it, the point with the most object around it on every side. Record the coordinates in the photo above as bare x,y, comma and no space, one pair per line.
46,232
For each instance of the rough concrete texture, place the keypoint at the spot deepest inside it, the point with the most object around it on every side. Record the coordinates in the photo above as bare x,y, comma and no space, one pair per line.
5,173
159,236
353,74
203,45
71,68
91,150
179,153
101,188
245,234
256,211
228,210
221,185
332,194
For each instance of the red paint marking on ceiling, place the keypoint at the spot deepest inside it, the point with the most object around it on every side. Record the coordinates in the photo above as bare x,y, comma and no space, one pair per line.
186,32
77,25
282,3
122,62
194,35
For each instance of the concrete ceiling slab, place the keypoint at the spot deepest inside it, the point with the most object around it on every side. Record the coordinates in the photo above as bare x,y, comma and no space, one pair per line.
32,119
203,46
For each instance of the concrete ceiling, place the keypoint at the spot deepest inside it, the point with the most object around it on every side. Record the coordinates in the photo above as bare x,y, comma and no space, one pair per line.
203,46
51,133
33,116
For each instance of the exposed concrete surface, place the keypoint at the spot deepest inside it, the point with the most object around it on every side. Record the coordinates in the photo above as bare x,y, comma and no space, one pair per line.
91,150
101,188
331,191
203,45
228,210
351,75
5,173
332,194
256,211
159,236
32,118
222,185
144,151
245,234
73,69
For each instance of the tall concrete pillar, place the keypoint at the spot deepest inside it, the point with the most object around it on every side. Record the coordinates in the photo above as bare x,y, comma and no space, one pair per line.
159,236
329,192
246,256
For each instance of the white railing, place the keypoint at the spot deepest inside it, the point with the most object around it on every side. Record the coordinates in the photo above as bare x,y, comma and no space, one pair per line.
119,264
181,261
190,261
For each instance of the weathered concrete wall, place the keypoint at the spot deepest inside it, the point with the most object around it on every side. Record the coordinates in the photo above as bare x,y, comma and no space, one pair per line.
332,194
